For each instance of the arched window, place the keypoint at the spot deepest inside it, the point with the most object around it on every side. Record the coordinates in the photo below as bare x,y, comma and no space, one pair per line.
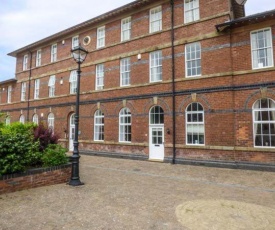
22,119
35,119
8,120
156,115
125,134
194,124
99,126
51,121
264,123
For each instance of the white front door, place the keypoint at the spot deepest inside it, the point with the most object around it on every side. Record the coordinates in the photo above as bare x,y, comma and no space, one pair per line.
72,130
156,142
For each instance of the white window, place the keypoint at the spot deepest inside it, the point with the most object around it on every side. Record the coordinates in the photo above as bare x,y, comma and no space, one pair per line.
51,85
156,115
261,48
99,126
99,76
191,10
194,124
23,91
36,88
51,121
35,119
73,82
125,29
75,42
38,58
8,120
9,94
100,37
156,66
125,71
125,134
54,53
264,123
193,59
22,119
156,19
25,62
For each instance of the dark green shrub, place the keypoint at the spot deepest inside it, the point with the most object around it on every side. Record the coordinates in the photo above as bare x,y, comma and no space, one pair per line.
16,152
54,155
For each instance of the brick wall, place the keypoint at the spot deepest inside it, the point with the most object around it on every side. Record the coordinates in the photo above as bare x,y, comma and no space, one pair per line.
35,178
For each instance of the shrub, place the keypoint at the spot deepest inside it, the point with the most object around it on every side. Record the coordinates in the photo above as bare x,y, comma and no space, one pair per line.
16,152
54,155
45,136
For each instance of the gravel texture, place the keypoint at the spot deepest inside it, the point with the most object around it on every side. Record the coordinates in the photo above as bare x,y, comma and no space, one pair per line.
127,194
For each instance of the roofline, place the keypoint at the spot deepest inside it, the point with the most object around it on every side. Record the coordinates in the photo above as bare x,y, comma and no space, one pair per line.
101,17
225,25
8,81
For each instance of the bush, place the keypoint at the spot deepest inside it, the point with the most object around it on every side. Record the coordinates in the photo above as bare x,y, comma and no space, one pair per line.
54,155
45,136
16,152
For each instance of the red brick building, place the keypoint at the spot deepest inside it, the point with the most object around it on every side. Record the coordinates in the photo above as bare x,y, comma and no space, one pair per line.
185,81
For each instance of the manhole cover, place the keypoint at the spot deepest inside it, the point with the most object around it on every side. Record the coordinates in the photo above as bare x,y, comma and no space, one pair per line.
225,214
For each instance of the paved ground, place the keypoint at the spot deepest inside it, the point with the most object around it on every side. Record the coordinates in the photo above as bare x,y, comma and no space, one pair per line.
126,194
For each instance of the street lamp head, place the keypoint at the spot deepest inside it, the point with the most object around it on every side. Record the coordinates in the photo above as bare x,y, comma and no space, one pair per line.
79,54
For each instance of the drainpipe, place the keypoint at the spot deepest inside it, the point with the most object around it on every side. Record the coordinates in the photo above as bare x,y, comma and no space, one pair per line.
29,91
173,81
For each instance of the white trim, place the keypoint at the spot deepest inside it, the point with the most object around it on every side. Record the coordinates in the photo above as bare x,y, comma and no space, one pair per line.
51,121
38,58
155,19
158,65
191,60
36,88
101,117
51,86
23,91
122,114
127,23
265,48
54,52
195,11
73,82
25,62
75,41
125,71
100,41
9,91
99,79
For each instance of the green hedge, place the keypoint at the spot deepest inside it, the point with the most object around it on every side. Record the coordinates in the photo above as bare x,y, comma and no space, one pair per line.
19,150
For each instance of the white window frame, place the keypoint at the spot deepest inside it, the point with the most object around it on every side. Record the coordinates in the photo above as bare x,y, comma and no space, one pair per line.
156,66
191,51
126,29
258,120
35,119
22,119
38,57
23,91
25,62
267,49
51,85
125,72
191,10
99,80
99,126
156,19
51,121
9,91
190,125
125,127
8,120
73,82
54,52
36,88
156,115
100,37
75,41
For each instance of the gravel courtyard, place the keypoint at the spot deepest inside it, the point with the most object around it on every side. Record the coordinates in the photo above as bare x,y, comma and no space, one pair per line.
127,194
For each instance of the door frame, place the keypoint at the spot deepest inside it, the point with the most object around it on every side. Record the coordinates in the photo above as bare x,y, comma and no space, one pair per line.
152,155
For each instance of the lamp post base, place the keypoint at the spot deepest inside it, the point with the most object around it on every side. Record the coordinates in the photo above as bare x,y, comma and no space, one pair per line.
75,180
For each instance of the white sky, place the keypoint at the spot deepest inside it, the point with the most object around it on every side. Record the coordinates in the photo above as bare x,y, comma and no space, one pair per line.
23,22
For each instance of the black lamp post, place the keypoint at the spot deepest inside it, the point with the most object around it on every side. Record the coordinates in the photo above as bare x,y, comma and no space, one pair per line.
79,55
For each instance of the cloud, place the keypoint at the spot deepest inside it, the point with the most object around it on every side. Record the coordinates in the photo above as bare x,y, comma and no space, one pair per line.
26,21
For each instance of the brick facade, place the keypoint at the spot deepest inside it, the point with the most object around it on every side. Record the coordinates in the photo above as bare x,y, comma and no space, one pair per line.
226,89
